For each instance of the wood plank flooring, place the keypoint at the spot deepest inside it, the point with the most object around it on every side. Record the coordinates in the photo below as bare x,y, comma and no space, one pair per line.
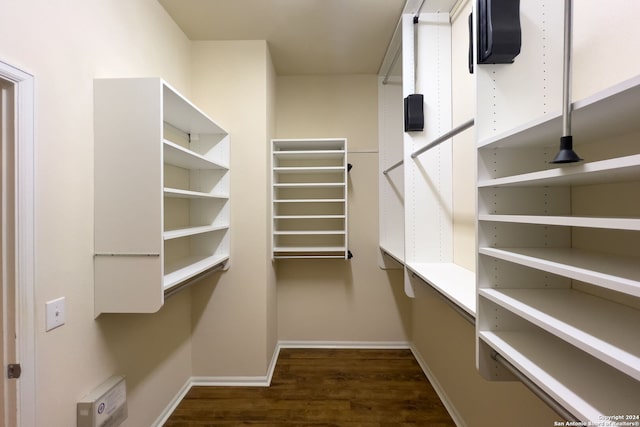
323,387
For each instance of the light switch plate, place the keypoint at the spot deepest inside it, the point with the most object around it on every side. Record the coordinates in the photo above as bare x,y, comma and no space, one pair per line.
55,313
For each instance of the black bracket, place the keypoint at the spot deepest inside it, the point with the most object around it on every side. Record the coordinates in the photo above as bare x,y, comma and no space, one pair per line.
349,254
349,167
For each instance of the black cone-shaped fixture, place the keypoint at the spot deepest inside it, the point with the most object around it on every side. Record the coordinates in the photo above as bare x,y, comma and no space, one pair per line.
566,153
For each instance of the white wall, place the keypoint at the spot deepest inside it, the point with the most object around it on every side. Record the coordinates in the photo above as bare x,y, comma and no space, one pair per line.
65,45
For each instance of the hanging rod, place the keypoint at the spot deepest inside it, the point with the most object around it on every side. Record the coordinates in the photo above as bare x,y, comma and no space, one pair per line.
462,312
535,389
442,138
417,15
392,167
175,289
393,62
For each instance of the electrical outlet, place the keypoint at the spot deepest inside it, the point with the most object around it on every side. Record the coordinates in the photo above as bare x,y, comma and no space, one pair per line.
55,313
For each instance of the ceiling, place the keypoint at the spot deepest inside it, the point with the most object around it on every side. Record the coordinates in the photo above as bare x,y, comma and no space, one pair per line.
304,36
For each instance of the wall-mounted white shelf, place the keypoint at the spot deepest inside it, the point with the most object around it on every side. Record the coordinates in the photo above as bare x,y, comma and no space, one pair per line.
558,279
161,194
615,272
567,221
615,106
309,198
567,374
416,170
594,325
456,283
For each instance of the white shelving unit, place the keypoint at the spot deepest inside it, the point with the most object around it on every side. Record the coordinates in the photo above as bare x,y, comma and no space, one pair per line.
558,277
309,198
416,192
161,194
428,177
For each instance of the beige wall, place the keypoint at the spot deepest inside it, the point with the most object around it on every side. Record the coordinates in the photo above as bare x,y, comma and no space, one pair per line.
233,319
65,45
337,300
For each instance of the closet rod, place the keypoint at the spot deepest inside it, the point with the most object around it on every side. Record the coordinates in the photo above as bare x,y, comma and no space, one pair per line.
442,138
417,15
393,62
175,289
392,167
399,48
550,401
462,312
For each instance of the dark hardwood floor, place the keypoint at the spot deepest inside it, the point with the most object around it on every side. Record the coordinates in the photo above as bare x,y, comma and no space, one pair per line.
323,387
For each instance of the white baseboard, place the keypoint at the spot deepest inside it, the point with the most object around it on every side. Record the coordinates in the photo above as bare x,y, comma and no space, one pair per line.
173,404
453,412
346,344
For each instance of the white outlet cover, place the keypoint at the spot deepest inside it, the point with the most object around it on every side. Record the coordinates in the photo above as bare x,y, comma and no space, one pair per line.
55,313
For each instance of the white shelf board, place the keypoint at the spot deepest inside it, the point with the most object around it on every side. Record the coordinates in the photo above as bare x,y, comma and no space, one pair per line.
188,194
310,154
189,267
559,369
632,224
455,282
616,106
191,231
617,273
179,156
309,169
309,256
332,144
604,171
308,232
309,201
181,113
314,249
310,185
397,257
606,330
309,217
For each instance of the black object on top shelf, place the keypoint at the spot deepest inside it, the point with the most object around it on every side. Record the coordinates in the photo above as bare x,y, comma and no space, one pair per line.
499,33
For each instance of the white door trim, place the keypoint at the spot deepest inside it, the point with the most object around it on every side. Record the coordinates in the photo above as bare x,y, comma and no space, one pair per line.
25,255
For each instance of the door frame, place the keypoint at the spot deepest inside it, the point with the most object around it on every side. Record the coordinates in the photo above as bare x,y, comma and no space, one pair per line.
25,233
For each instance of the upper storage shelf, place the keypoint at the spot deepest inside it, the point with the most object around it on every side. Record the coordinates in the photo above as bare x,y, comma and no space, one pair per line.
617,106
309,198
161,194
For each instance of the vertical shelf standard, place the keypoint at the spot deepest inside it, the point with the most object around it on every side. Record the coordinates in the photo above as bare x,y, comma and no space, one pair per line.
161,194
309,198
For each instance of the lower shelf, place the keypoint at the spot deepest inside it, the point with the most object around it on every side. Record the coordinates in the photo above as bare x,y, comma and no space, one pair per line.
588,388
606,330
453,281
178,272
291,252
